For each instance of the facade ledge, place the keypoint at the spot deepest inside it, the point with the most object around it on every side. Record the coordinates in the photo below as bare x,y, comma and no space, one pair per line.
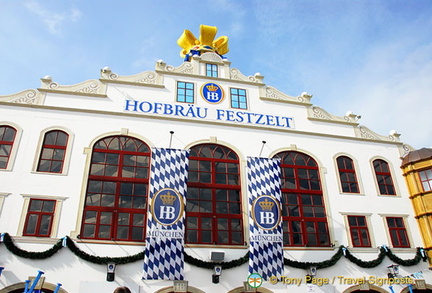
146,78
400,250
364,249
214,246
318,114
351,194
287,248
269,93
108,242
92,88
30,97
38,240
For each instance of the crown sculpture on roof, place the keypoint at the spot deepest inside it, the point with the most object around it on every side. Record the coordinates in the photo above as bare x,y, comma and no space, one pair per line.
206,42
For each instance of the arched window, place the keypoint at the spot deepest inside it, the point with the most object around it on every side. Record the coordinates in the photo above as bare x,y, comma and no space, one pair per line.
116,198
213,209
7,138
347,175
303,209
53,152
383,177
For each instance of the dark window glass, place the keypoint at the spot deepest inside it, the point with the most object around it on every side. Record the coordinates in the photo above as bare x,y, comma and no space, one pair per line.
39,218
398,233
303,210
347,175
116,197
213,209
53,152
359,231
384,178
7,138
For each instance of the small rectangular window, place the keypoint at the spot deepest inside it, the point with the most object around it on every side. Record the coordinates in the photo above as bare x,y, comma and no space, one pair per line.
426,179
238,98
359,231
39,219
398,233
212,70
185,92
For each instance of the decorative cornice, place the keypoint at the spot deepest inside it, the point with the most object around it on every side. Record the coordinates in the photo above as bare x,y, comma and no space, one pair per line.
93,88
272,94
212,57
237,75
32,97
319,114
185,68
364,132
144,78
192,67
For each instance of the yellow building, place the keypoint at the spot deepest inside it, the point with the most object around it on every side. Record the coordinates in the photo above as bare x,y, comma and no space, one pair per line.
417,169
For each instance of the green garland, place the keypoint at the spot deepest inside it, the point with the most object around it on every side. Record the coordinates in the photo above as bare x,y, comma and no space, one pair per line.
367,264
319,265
342,251
10,245
210,265
102,260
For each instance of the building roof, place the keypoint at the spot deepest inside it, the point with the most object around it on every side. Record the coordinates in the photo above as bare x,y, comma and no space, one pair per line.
416,156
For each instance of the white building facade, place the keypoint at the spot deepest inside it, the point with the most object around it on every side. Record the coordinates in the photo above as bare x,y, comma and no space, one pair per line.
77,173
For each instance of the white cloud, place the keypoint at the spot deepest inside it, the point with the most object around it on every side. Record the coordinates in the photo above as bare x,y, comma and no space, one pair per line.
393,90
53,20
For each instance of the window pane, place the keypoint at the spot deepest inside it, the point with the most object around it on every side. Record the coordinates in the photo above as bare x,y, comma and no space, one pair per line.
48,206
36,205
31,224
45,224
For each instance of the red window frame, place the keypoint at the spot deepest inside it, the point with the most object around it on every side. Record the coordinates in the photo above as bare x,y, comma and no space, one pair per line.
398,233
7,138
359,231
117,190
39,218
426,179
213,209
52,155
303,209
347,175
383,177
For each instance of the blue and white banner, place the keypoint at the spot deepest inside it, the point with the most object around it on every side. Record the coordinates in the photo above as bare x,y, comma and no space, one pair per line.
265,217
163,258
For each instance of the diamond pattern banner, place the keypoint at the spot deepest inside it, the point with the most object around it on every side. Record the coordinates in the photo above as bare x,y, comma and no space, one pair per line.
265,217
163,258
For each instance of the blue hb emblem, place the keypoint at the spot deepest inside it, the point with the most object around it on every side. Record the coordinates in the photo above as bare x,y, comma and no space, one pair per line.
266,212
167,206
212,93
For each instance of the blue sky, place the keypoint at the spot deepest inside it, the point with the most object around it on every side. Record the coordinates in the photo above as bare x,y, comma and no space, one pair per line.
372,57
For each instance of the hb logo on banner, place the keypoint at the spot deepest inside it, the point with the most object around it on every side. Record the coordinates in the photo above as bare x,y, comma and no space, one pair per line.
167,207
266,212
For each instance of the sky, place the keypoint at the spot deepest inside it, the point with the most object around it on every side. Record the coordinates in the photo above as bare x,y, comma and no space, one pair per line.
371,57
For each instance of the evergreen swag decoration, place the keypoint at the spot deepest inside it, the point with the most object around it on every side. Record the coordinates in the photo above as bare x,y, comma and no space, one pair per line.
342,251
